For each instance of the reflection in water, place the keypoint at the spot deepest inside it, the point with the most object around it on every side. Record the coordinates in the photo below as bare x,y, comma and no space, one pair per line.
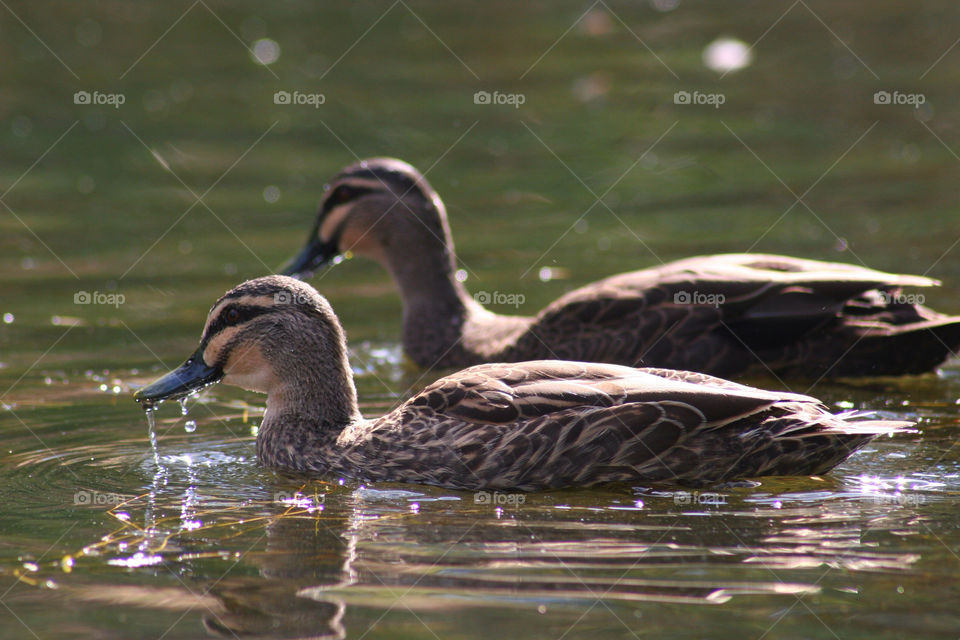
290,564
234,549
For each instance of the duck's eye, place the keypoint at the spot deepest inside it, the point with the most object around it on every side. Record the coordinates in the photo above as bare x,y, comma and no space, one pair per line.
233,316
340,195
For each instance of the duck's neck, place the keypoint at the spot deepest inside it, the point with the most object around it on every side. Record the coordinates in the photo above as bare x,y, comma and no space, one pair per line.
306,412
436,306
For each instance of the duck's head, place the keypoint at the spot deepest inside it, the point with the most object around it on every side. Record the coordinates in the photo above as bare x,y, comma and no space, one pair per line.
270,335
376,208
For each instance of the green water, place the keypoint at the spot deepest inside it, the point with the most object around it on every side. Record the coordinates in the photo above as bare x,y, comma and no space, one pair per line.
99,539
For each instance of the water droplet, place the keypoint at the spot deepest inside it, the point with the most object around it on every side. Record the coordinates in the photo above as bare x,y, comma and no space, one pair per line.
271,194
88,32
22,126
461,275
86,184
190,426
152,432
183,406
265,51
545,274
8,318
727,54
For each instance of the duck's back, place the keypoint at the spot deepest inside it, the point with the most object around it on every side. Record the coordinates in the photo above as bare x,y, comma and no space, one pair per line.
544,424
736,313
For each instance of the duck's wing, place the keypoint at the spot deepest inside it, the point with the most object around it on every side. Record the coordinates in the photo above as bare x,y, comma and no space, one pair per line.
694,313
550,424
502,393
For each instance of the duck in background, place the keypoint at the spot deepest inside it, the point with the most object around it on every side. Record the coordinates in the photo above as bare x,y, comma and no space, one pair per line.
726,315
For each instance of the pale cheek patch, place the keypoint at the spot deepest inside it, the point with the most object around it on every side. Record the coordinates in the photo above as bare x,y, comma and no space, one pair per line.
247,368
332,222
214,350
363,243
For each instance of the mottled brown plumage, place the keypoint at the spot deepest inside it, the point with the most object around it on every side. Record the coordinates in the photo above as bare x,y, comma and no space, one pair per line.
528,425
725,315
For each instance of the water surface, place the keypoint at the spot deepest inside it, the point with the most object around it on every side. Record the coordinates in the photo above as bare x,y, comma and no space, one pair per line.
199,180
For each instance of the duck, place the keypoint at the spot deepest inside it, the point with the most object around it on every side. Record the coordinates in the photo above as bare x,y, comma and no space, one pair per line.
728,315
523,426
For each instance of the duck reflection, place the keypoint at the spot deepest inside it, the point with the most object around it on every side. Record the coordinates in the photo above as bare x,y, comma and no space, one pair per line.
297,562
303,548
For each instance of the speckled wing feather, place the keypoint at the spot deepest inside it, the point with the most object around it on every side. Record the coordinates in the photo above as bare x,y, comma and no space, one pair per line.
552,424
722,314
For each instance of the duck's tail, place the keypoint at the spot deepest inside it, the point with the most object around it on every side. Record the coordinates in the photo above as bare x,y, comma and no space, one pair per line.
914,348
805,444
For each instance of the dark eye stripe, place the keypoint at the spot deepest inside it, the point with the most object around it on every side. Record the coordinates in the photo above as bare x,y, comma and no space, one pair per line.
343,194
245,312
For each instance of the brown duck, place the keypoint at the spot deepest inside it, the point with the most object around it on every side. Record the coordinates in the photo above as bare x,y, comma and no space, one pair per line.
528,425
725,315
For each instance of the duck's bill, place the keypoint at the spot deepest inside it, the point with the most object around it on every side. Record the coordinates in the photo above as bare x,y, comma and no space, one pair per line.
192,375
314,257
